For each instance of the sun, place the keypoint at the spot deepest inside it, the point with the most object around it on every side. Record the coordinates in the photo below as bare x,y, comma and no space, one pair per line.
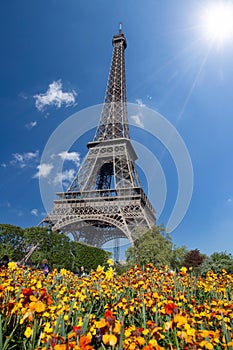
218,21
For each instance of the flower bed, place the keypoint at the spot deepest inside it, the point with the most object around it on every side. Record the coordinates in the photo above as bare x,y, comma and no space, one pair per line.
150,309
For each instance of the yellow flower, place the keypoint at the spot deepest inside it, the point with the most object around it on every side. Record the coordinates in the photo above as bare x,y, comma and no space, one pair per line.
168,325
153,342
183,269
63,272
110,339
180,320
110,262
47,328
206,344
28,332
100,269
12,265
128,332
141,340
38,285
117,327
109,273
37,306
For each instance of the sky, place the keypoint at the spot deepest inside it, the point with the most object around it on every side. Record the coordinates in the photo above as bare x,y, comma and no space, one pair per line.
54,62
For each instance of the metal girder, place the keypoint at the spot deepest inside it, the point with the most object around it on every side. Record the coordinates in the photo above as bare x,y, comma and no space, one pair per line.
114,121
105,200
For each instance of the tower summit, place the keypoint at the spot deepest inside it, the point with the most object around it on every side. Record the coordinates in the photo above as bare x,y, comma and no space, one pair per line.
105,200
113,121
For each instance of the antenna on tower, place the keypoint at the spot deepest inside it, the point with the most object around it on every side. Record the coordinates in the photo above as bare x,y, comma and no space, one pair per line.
120,29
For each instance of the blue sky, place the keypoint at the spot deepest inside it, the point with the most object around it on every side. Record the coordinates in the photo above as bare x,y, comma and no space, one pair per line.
55,58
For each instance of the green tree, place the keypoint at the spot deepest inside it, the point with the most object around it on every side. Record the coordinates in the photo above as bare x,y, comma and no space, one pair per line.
178,255
53,246
88,256
61,252
154,246
12,241
39,237
217,262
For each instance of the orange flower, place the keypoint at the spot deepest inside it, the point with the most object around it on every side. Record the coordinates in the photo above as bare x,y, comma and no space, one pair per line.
84,342
110,339
37,306
101,323
180,320
140,340
60,347
72,335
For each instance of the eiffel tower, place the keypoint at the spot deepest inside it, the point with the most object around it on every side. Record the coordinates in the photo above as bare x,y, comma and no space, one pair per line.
105,200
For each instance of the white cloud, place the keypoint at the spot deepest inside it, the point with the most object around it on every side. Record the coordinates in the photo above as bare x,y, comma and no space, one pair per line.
54,96
24,159
34,212
138,120
23,95
3,165
44,170
72,156
31,125
140,103
65,177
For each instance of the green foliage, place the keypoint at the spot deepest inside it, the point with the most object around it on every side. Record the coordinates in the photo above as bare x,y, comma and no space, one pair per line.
57,248
12,241
88,256
178,255
217,262
154,246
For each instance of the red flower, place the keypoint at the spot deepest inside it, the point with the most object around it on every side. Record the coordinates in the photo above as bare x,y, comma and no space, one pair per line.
77,329
27,292
169,308
109,317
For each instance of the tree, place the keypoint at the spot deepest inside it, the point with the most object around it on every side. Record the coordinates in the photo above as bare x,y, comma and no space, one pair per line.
155,246
88,256
60,251
178,255
217,262
194,259
12,241
41,238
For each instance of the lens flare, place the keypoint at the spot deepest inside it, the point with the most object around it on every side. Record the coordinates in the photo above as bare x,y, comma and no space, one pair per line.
218,21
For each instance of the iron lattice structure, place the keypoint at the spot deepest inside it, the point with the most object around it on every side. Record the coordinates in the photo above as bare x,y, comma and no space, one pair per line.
105,200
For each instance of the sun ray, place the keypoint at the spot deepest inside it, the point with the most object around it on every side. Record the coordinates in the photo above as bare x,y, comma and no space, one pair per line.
194,84
217,19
